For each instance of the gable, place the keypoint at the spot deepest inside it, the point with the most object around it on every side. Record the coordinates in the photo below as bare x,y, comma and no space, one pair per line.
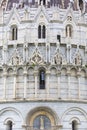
41,16
14,17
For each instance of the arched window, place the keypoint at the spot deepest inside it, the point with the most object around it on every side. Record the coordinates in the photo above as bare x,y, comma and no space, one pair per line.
68,31
42,79
41,32
42,122
74,125
43,2
9,125
14,32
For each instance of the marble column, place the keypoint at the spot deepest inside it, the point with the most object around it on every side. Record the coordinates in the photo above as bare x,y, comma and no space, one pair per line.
59,85
14,89
78,75
68,74
48,83
36,76
47,53
68,53
4,91
25,84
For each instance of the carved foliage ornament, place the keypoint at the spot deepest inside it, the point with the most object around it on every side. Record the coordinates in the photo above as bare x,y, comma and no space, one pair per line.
36,58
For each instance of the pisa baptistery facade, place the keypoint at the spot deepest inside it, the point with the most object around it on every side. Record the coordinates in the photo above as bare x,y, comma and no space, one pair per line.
43,65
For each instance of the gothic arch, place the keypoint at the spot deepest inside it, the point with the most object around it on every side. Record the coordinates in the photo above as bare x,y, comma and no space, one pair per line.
20,71
63,71
83,72
10,70
53,70
73,71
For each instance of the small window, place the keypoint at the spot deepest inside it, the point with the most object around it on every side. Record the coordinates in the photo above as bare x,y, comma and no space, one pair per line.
42,79
68,31
59,38
43,2
9,125
14,32
74,125
41,32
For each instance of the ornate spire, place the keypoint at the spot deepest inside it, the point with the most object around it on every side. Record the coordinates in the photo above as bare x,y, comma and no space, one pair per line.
4,4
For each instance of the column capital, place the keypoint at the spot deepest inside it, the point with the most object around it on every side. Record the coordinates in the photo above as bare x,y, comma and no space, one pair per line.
35,73
78,74
15,73
58,73
47,72
68,73
5,73
25,72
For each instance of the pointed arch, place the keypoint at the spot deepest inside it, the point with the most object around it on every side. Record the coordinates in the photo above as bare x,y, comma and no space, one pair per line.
69,31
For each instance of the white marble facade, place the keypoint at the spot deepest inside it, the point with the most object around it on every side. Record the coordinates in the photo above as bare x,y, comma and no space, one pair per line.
60,49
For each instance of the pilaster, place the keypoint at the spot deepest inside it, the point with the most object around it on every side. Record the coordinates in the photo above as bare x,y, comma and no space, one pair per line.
14,87
78,76
25,83
48,83
59,84
4,88
36,76
68,74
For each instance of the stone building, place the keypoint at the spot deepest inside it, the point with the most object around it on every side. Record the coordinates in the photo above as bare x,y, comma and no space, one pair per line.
43,65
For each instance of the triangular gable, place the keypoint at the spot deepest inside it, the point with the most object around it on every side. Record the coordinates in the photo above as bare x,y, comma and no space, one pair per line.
70,13
14,17
41,15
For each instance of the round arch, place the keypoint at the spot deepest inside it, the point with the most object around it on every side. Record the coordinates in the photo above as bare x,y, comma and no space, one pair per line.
13,110
74,109
46,111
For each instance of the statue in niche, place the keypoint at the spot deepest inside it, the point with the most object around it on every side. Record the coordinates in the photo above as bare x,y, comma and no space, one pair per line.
41,123
58,59
78,60
15,60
